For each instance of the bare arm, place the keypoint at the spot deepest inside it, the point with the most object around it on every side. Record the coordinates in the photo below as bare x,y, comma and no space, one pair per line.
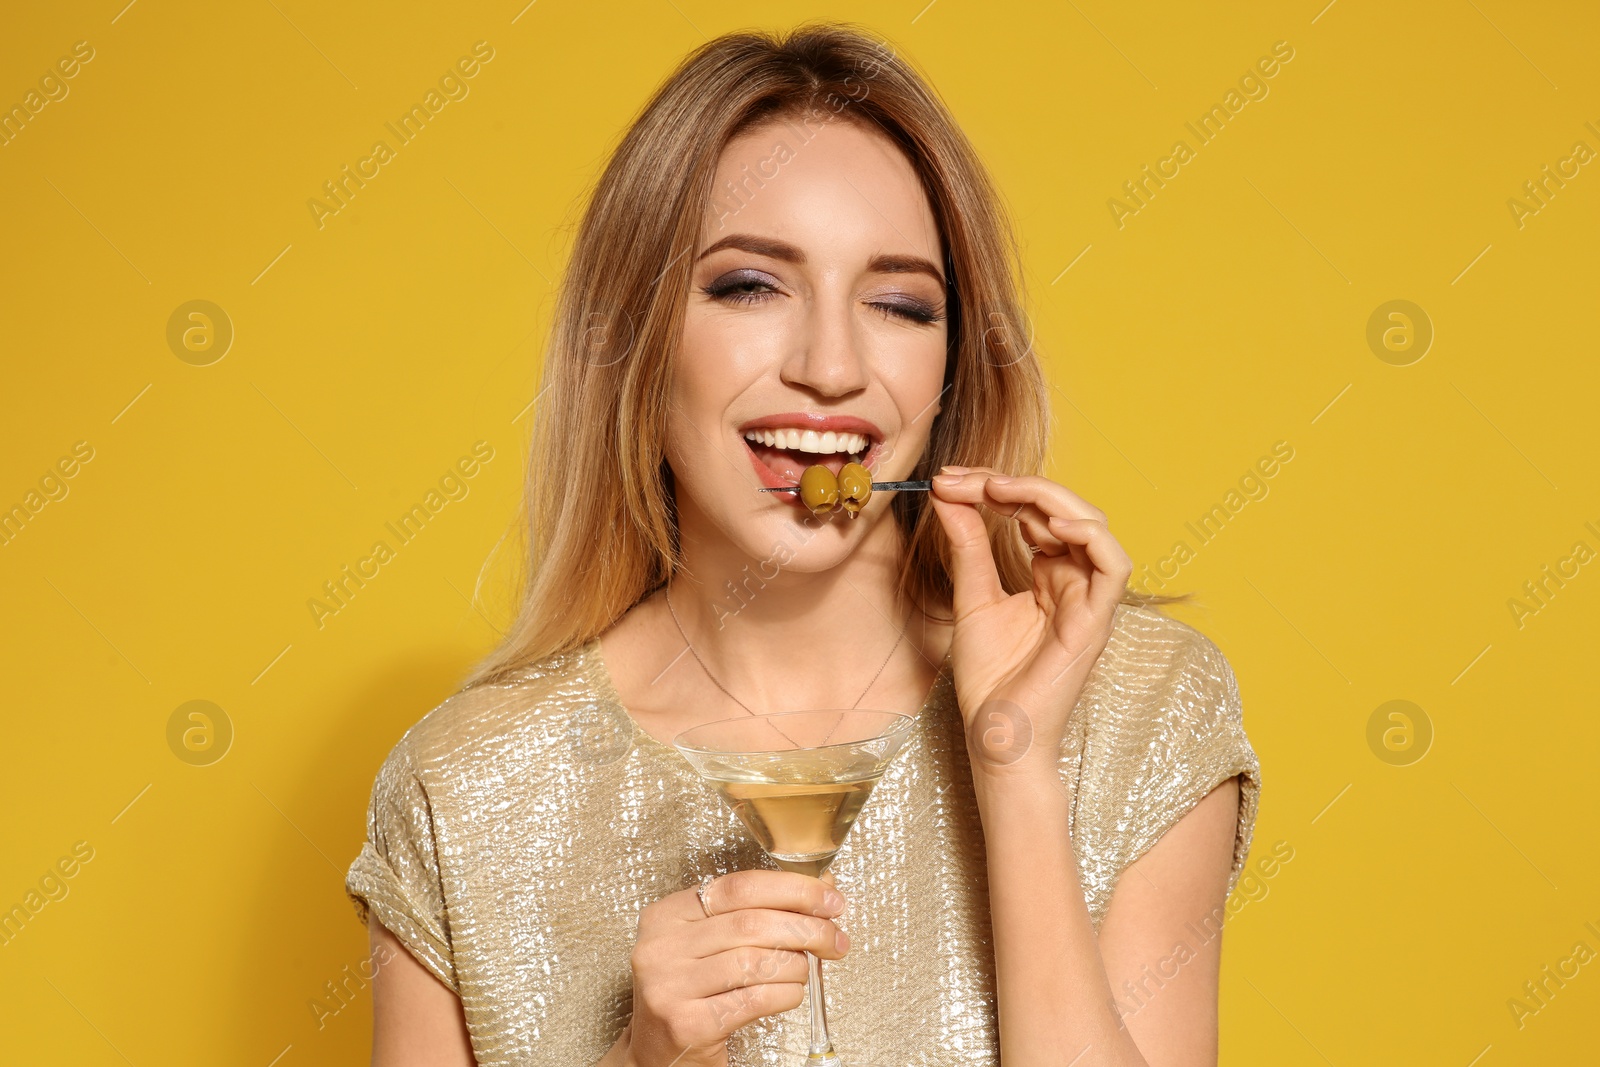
1162,935
1021,661
416,1020
1055,978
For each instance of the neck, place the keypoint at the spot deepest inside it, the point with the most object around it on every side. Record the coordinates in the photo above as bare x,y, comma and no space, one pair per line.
779,639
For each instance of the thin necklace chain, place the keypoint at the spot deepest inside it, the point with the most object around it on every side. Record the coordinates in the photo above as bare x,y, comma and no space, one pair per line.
690,645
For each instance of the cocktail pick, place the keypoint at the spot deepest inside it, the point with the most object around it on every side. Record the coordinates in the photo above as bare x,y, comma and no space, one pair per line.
898,487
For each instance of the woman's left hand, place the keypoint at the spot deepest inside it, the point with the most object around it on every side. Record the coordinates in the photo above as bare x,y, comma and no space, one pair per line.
1021,660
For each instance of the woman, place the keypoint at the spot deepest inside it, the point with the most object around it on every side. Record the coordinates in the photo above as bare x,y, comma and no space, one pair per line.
794,257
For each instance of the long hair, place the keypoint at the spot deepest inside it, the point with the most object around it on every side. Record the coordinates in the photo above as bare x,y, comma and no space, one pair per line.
599,520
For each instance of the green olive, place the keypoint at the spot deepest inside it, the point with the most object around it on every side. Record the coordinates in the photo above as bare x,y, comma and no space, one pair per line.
819,489
855,487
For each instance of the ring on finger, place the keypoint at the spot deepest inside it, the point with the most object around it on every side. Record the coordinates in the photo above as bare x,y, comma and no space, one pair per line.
700,891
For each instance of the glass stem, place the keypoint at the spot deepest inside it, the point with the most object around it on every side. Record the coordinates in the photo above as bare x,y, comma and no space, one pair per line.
822,1054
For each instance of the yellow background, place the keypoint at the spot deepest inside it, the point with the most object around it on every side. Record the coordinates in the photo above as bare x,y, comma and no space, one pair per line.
1230,313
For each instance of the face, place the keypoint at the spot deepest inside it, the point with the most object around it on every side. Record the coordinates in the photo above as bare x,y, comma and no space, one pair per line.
815,332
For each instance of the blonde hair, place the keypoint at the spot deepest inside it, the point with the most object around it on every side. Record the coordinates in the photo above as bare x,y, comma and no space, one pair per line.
599,521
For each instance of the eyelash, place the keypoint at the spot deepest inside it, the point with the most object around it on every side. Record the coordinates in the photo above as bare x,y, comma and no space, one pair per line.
728,292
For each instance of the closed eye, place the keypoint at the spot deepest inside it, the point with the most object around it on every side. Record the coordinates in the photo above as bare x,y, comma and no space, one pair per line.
742,288
912,311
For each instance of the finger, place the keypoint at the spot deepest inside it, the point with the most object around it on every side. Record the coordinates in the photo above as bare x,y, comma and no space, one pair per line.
765,928
1051,498
965,488
1102,548
844,907
739,1007
777,890
748,965
1111,563
1034,526
974,581
1030,501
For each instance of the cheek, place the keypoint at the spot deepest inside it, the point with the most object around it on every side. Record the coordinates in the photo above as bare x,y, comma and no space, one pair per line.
737,346
720,357
915,384
912,367
712,368
717,357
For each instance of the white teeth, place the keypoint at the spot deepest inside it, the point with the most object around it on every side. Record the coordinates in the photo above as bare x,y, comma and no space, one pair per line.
827,443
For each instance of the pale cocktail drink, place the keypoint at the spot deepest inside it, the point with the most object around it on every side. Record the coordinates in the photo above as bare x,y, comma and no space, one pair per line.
800,825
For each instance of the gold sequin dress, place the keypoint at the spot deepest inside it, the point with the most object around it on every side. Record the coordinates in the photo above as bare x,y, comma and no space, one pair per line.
516,831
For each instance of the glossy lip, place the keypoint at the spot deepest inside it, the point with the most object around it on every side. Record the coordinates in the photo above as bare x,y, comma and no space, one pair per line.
806,420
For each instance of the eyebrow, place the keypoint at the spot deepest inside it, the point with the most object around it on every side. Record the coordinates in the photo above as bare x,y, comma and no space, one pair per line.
771,247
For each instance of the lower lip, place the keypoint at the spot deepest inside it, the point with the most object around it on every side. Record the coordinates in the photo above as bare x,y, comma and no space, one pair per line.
772,480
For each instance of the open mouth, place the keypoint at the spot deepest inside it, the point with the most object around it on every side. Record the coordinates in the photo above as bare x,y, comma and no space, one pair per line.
782,446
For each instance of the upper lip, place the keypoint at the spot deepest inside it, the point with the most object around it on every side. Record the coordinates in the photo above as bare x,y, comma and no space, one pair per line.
810,420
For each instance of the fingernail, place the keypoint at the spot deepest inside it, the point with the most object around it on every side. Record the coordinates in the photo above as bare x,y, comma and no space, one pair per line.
947,479
841,942
1056,520
954,470
833,902
999,479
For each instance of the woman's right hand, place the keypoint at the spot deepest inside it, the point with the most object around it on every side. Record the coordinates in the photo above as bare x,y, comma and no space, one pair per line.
698,979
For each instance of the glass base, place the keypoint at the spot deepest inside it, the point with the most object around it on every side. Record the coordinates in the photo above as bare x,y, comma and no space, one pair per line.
824,1059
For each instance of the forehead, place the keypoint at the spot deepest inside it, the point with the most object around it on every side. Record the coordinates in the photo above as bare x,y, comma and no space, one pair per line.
830,186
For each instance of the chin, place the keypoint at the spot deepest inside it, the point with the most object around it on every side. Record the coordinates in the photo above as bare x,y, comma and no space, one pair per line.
788,539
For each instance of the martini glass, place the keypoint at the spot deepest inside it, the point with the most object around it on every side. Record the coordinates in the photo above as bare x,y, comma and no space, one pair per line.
797,780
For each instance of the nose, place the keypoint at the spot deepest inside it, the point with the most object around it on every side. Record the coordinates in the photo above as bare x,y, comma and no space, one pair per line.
827,357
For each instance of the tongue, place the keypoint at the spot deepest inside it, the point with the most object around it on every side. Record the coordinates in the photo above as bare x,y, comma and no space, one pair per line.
787,463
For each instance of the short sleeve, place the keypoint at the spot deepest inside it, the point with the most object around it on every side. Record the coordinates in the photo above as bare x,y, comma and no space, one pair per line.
1160,727
396,876
1197,742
